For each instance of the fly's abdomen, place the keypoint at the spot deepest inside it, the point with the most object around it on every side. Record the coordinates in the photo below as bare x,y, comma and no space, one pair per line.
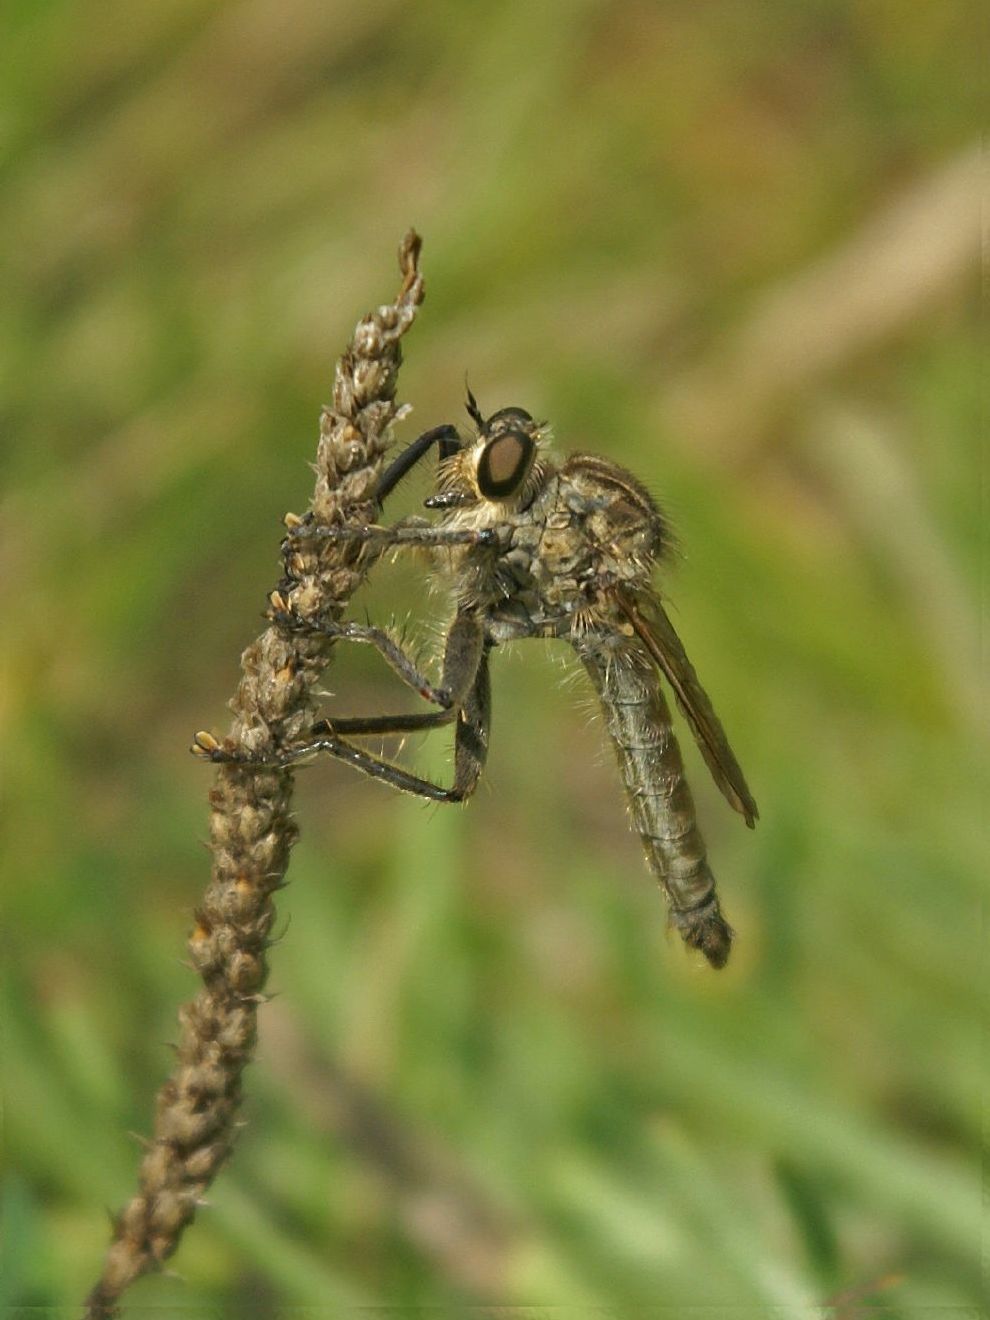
639,724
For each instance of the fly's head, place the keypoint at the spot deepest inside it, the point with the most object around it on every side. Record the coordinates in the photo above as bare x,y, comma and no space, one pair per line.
504,455
500,467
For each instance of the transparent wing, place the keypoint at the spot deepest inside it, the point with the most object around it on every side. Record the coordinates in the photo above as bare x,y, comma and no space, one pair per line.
656,632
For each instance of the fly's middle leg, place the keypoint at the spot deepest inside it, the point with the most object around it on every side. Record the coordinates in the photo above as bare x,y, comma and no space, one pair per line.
387,647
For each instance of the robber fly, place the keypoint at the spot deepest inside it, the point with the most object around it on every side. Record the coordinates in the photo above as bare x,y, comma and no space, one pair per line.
536,548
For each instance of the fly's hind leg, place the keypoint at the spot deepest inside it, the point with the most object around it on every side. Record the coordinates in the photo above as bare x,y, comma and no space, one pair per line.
206,747
463,654
466,689
473,717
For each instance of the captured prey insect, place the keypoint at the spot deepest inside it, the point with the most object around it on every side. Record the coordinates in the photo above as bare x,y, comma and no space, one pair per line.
536,548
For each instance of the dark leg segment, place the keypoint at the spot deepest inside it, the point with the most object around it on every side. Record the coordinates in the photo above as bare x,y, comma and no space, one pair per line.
401,534
462,659
206,746
376,768
386,646
447,441
465,677
471,737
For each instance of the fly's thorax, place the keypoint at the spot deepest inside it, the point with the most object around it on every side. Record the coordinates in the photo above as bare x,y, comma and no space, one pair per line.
468,569
568,534
480,575
596,528
619,517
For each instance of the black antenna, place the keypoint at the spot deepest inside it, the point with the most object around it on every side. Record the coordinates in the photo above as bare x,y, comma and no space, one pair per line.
474,412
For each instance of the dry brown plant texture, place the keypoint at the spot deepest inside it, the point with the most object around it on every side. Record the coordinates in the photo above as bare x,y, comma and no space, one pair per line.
251,826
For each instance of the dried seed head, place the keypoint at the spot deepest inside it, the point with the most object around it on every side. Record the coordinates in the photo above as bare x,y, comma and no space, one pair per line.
251,826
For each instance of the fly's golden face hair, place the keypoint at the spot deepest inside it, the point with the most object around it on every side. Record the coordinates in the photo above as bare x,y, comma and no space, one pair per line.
502,464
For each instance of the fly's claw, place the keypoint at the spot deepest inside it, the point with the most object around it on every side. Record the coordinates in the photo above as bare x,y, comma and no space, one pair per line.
297,545
206,747
284,616
298,527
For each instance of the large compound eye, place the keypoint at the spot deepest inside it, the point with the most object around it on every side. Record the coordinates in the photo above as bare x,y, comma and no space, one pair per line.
504,464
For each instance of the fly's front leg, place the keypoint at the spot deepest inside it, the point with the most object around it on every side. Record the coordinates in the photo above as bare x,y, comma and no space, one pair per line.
412,534
373,541
447,441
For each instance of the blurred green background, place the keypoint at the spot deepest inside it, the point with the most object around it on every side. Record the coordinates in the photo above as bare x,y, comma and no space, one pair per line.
731,247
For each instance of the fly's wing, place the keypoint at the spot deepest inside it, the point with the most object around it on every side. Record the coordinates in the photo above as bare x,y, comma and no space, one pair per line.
656,632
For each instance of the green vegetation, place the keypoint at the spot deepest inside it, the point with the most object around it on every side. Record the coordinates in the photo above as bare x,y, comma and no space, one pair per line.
727,245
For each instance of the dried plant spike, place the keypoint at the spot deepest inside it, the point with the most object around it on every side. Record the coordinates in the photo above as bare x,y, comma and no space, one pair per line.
251,827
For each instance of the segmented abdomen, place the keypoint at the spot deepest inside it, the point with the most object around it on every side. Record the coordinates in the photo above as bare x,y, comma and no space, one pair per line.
638,721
